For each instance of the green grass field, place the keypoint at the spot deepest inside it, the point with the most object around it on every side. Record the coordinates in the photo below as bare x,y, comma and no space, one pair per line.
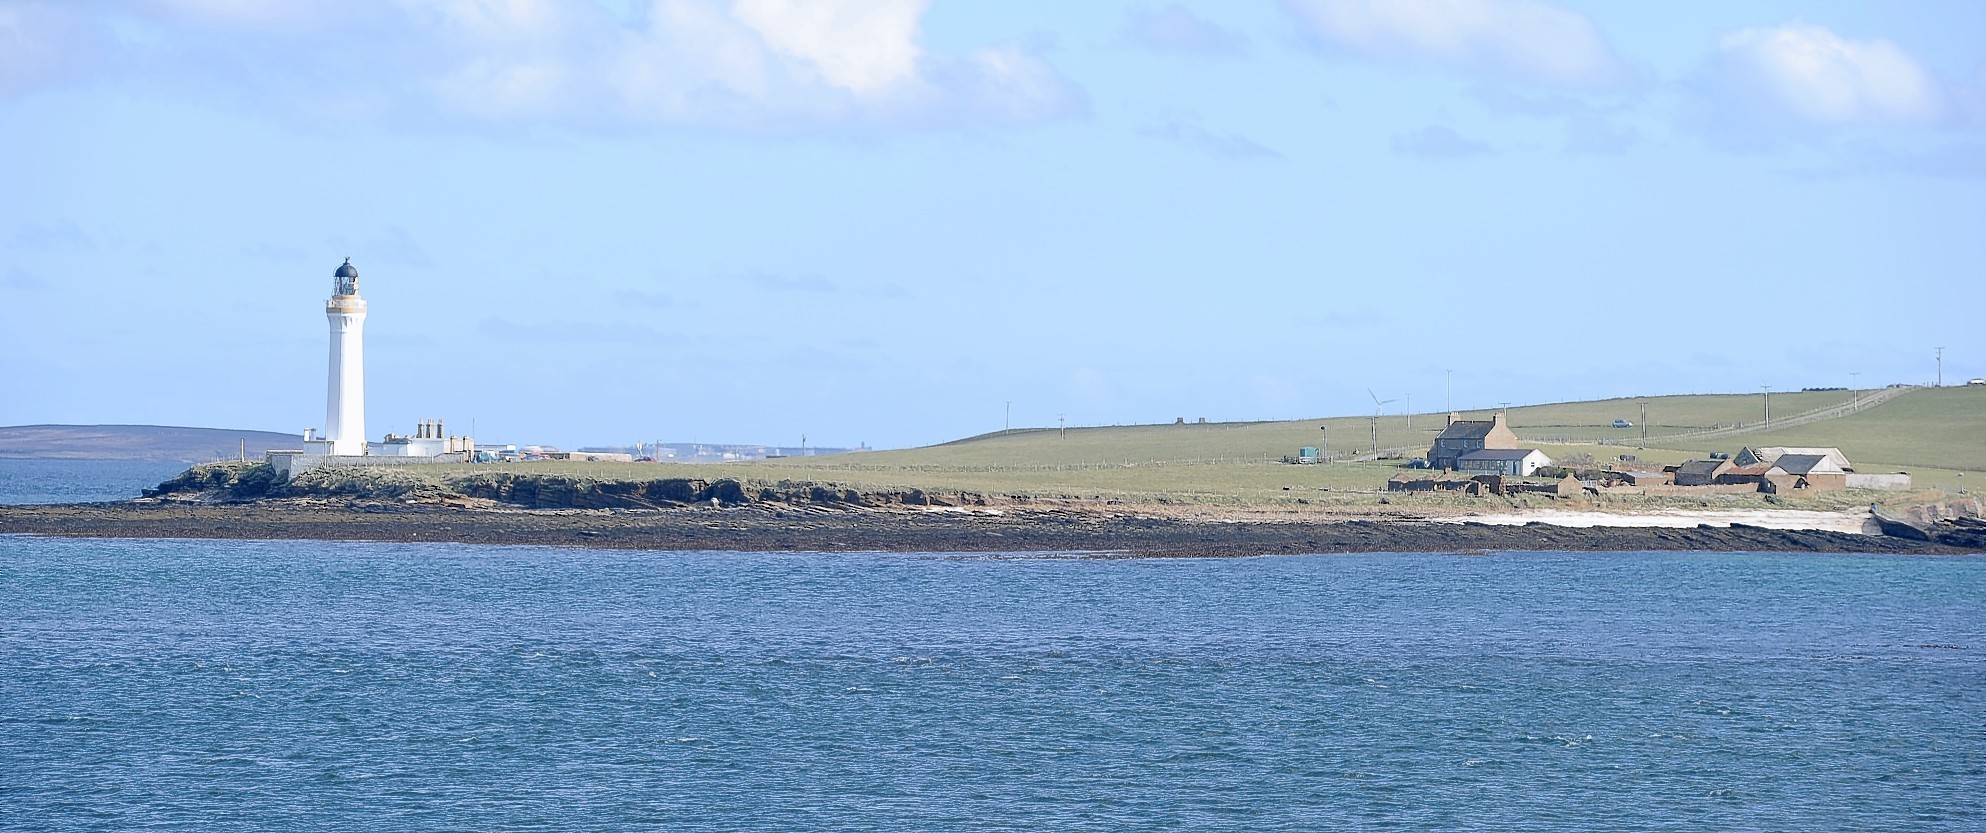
1939,436
1943,428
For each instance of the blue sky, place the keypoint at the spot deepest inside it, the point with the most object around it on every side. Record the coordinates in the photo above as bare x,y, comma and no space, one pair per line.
881,221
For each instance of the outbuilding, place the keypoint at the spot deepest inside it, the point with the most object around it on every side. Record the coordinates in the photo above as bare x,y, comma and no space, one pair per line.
1751,475
1515,462
1643,478
1817,470
1701,472
1770,454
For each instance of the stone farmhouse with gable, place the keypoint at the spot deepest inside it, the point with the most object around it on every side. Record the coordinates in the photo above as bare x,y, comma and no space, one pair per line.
1465,435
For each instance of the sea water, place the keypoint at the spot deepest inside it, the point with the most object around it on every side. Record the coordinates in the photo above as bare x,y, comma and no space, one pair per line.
80,481
205,685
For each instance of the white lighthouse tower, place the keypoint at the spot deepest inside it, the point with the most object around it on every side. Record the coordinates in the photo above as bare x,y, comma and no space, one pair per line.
344,419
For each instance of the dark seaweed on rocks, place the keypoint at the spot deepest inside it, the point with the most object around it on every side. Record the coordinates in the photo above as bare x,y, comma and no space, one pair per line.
229,480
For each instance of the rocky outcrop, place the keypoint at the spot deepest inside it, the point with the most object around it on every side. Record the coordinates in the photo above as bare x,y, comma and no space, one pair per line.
560,492
250,481
1964,533
222,481
1953,523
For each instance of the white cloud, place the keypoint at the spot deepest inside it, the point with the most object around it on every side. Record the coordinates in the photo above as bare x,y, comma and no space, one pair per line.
258,14
759,65
1523,40
859,45
1803,73
858,63
752,65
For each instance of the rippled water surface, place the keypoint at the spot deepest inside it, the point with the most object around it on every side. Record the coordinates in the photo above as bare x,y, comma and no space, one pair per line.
301,686
80,481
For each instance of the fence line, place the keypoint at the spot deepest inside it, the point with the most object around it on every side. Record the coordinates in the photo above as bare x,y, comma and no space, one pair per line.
1852,406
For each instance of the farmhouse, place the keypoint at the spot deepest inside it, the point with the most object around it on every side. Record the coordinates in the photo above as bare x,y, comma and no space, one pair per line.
1463,436
1515,462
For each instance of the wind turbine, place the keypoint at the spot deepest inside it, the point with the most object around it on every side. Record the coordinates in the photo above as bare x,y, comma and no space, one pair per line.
1377,406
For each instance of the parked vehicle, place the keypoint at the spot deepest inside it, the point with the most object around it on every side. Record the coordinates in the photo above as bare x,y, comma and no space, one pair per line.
1622,423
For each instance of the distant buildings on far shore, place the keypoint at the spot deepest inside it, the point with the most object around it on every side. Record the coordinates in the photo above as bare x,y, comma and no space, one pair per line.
662,452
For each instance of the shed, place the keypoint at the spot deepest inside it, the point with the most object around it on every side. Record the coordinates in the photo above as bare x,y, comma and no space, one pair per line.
1644,478
1701,472
1742,475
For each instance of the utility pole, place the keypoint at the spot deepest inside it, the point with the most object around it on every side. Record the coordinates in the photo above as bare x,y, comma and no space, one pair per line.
1010,415
1062,426
1854,384
1644,425
1451,392
1941,367
1375,434
1768,401
1410,412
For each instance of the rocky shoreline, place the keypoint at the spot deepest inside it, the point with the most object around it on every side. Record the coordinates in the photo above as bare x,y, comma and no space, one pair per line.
1093,531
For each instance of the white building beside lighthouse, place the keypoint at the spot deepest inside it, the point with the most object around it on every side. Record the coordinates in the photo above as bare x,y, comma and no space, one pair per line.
344,417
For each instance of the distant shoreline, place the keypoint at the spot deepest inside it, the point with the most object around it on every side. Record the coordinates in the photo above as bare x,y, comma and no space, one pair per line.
1083,531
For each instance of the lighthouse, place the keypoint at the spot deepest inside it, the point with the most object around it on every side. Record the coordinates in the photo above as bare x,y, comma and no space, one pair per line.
344,418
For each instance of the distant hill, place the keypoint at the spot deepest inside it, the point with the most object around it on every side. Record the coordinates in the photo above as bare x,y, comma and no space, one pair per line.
160,443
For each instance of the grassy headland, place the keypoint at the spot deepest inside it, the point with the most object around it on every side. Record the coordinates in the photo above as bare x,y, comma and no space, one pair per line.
1938,435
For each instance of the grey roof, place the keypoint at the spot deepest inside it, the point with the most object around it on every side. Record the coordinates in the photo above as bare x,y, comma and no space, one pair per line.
1803,464
1514,454
346,271
1704,467
1772,453
1467,430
